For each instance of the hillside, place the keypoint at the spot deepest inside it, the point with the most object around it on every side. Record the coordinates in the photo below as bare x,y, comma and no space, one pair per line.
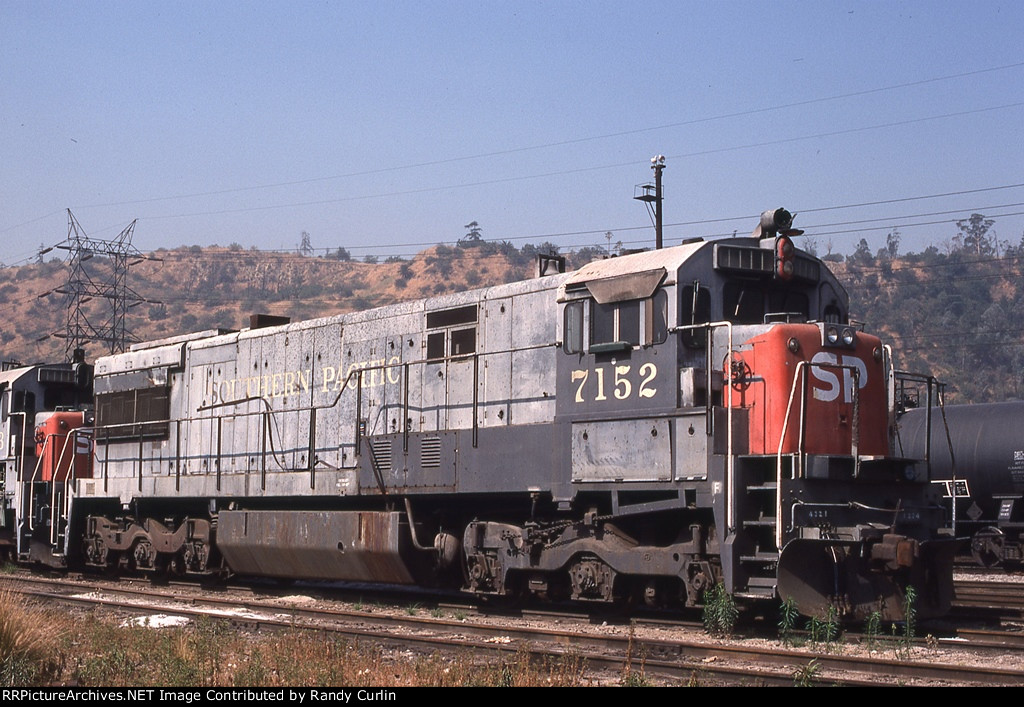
955,314
191,289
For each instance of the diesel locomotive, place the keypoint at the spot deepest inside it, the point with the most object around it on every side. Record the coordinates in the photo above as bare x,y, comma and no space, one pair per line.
644,428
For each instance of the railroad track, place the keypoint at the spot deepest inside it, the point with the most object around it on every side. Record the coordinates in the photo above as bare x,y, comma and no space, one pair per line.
660,652
1005,599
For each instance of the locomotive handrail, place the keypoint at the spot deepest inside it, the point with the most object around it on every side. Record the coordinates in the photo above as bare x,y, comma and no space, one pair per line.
268,412
730,480
20,455
30,515
931,382
952,456
798,374
800,377
848,504
31,496
66,502
939,387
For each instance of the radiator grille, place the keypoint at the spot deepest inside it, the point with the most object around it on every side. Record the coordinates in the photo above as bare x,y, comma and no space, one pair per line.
381,454
430,453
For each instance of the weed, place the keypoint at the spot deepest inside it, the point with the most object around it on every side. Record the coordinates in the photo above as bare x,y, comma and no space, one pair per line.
507,677
806,676
873,629
909,615
720,612
903,639
788,615
824,629
900,648
634,679
114,667
436,613
631,677
253,671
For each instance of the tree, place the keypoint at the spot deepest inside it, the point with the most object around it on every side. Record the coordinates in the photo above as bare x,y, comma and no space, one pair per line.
472,239
892,244
587,254
862,255
975,234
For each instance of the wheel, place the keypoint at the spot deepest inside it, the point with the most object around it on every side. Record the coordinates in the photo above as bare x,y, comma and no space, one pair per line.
987,546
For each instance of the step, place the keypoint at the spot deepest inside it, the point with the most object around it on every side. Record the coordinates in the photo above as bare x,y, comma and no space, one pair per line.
759,523
760,557
754,593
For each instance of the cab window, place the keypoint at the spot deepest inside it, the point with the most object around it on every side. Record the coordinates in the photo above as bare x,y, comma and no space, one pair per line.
694,309
641,322
748,303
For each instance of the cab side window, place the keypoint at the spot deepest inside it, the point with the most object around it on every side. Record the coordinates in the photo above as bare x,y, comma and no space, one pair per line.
640,322
448,333
615,322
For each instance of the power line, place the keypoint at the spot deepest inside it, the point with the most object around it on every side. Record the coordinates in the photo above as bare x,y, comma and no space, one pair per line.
567,172
390,169
746,219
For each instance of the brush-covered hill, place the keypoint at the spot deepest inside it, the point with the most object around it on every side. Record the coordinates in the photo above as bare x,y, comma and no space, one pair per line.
192,289
956,314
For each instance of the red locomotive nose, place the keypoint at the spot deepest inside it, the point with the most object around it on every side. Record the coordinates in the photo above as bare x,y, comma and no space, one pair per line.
809,396
63,453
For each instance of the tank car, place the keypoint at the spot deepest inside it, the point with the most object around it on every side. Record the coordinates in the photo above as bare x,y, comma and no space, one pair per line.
644,427
45,425
976,454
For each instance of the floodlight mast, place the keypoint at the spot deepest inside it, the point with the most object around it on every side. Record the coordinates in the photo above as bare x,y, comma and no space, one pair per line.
652,193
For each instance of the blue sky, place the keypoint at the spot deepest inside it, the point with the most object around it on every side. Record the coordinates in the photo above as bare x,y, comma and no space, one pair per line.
386,127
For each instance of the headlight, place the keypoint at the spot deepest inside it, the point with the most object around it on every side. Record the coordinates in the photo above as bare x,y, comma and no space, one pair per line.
848,337
832,335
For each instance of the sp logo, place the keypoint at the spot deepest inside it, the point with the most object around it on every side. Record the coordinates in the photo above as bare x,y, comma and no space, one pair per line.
827,374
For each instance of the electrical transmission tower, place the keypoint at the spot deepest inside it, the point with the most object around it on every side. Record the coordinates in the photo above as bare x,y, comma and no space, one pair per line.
98,270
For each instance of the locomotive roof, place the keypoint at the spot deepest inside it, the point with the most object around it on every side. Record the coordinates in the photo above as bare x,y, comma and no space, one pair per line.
9,376
668,258
644,270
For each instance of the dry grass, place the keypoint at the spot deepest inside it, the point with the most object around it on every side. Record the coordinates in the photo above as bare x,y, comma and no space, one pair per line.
29,641
92,651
